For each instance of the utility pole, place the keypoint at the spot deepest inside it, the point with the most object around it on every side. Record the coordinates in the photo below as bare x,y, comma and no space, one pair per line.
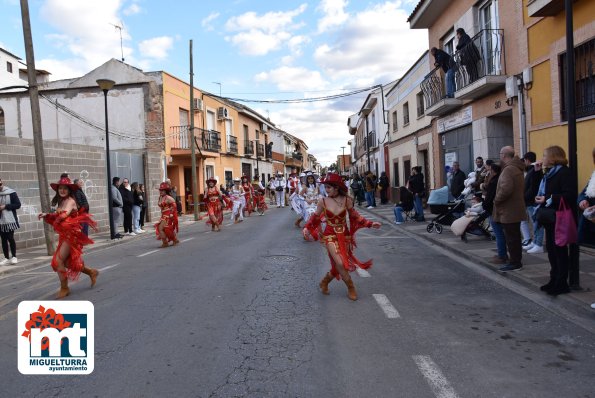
192,143
44,195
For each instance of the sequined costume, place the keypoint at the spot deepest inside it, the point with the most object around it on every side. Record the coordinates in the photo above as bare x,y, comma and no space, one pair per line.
310,195
248,194
340,236
68,227
169,214
214,207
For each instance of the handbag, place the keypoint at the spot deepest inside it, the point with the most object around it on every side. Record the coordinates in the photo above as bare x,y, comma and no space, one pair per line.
566,232
545,215
279,189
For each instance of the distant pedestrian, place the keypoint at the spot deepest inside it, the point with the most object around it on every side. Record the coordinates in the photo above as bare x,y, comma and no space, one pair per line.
418,188
138,199
116,206
383,185
370,187
81,202
278,186
127,202
9,222
458,177
509,206
143,210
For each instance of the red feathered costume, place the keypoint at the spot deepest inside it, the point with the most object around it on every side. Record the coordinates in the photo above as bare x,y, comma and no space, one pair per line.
169,214
214,208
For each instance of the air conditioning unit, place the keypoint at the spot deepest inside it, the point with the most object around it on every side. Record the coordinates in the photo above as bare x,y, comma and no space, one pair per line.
198,105
512,89
222,113
265,128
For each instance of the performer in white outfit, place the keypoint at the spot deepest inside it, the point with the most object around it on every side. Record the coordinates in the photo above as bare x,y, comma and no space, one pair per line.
310,195
239,201
297,202
278,185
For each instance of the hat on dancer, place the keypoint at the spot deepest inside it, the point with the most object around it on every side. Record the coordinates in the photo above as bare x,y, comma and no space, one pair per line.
336,181
64,181
164,186
245,177
236,180
213,180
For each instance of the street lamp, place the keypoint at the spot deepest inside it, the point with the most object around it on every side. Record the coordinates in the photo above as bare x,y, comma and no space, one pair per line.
106,85
343,161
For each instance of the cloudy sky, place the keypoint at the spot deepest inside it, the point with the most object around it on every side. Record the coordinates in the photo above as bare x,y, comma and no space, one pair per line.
256,49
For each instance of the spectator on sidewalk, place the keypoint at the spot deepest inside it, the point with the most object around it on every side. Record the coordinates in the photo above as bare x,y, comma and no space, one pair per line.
116,206
357,189
143,209
509,206
127,202
417,187
383,185
370,186
532,181
137,204
457,180
490,186
9,222
406,203
555,185
81,202
586,204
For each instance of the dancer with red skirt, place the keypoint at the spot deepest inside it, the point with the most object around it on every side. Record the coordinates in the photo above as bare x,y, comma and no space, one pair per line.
214,207
167,227
248,194
67,222
337,236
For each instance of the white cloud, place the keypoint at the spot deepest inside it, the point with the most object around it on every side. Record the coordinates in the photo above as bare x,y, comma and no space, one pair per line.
377,45
259,35
334,14
132,9
206,22
156,48
293,78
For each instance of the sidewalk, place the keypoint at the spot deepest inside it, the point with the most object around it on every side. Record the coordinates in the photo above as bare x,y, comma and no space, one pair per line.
536,267
32,257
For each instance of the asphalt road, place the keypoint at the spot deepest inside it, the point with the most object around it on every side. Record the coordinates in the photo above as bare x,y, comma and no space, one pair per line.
238,314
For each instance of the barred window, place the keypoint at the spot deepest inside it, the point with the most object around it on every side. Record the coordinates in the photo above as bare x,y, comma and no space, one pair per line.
584,80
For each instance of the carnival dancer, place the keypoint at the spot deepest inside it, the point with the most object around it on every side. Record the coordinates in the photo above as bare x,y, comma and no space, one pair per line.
336,236
278,185
310,195
249,194
167,227
259,202
237,194
297,202
67,221
214,207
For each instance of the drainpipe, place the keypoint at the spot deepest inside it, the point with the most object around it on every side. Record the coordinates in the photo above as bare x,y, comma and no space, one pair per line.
522,116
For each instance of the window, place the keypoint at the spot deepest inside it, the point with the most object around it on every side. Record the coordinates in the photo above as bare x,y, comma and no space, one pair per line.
420,104
257,135
246,134
395,121
584,80
2,125
406,114
8,67
184,120
407,169
396,174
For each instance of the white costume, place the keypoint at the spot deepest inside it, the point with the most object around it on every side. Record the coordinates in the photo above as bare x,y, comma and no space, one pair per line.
311,195
295,186
239,201
278,185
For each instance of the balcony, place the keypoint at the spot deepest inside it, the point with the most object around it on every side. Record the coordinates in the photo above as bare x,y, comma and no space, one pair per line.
232,144
372,142
294,159
249,148
259,150
206,140
480,65
434,91
545,8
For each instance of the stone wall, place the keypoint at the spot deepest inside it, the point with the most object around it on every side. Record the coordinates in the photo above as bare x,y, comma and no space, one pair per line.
18,170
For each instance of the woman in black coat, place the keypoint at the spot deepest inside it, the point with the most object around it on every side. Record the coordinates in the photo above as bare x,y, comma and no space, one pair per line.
555,186
383,185
417,187
9,222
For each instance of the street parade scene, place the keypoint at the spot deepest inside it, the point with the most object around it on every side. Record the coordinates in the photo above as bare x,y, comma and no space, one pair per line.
305,199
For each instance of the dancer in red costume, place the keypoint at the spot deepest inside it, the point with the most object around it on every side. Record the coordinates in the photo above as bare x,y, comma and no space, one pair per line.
67,220
167,227
214,208
248,194
337,237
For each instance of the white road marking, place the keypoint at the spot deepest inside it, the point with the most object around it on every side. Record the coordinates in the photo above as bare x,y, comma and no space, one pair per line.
381,237
186,240
390,311
147,253
440,386
108,267
363,273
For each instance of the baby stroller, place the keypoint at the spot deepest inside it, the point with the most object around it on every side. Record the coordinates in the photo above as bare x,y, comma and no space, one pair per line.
479,226
444,210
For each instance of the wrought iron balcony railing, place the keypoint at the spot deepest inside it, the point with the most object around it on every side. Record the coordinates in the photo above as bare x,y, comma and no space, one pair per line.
372,139
232,144
208,140
483,56
260,150
249,148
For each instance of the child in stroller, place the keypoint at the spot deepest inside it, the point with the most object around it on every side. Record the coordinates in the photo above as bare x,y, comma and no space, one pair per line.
405,205
474,221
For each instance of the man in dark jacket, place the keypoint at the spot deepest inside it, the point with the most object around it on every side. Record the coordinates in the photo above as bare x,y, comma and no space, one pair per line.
458,181
532,180
417,187
469,54
444,61
127,202
509,206
81,202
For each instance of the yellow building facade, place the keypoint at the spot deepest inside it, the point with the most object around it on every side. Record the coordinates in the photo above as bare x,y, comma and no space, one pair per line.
545,23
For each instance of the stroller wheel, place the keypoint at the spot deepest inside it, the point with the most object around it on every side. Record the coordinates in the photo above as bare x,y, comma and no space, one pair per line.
430,228
438,228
